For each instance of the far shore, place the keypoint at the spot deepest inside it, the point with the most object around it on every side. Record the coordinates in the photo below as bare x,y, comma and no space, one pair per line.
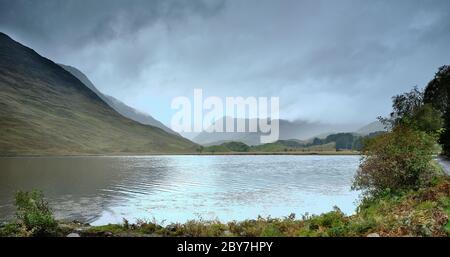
185,154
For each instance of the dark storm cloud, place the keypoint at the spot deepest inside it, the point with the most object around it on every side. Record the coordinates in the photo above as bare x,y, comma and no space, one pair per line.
338,61
60,28
82,21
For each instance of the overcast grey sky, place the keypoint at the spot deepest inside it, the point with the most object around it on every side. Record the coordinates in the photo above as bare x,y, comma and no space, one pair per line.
330,61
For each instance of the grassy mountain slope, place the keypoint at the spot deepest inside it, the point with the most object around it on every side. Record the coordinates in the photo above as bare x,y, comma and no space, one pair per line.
116,104
46,110
375,126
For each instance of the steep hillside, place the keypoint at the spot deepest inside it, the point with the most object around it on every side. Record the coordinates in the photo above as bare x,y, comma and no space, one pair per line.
116,104
372,127
46,110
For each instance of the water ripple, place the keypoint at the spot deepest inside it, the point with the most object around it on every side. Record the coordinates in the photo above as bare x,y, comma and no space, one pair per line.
177,188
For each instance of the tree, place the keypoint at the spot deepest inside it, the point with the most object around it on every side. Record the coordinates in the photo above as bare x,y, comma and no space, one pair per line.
436,92
445,136
410,109
400,160
395,161
427,119
404,106
342,140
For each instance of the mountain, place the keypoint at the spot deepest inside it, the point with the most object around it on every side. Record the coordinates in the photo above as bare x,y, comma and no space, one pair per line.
45,110
302,130
332,142
372,127
116,104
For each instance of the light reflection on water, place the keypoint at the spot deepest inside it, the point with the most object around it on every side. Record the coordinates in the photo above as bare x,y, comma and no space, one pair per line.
104,190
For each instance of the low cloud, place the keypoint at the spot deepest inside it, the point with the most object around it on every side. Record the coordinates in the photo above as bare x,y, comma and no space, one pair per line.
330,61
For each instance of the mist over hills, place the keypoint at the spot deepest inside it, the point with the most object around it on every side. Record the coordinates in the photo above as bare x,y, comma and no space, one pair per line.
116,104
371,127
301,130
49,108
45,110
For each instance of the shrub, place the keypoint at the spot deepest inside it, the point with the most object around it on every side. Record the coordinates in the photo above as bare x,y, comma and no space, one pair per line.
271,230
445,136
34,213
9,229
427,119
395,161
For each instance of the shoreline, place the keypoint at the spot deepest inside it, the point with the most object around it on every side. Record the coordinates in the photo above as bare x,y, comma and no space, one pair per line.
325,153
425,208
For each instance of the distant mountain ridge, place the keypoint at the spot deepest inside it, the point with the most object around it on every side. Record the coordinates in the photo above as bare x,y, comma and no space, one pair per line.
116,104
289,130
45,110
301,130
371,128
331,143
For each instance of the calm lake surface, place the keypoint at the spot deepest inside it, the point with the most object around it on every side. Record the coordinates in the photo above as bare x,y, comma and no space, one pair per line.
102,190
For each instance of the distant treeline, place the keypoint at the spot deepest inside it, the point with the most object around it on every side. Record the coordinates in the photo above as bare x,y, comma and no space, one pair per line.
426,111
345,141
333,142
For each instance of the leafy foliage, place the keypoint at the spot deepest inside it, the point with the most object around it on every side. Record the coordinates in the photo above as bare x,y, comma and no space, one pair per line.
445,136
425,111
404,106
426,119
395,161
436,92
34,214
